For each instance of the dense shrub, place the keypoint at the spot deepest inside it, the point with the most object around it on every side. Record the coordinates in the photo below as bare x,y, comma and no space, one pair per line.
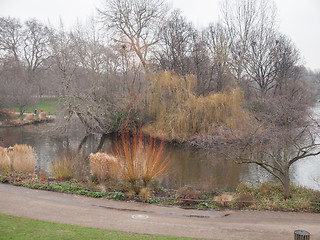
188,195
140,159
244,200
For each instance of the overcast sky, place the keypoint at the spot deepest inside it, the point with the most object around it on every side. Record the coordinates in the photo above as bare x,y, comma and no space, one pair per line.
298,19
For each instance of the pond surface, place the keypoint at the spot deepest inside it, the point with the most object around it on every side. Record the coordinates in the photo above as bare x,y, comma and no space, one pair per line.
206,169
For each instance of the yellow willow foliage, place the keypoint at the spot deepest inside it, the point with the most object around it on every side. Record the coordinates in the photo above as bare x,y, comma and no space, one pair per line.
167,90
178,113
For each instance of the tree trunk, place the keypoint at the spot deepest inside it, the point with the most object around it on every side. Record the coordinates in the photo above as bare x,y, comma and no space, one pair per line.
286,184
21,114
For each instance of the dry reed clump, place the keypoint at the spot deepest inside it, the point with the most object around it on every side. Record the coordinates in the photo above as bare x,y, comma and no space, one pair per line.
4,160
30,116
224,200
179,113
140,159
43,116
63,168
103,166
144,194
22,158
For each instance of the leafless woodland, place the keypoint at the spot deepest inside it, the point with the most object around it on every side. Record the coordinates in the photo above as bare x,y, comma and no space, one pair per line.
142,64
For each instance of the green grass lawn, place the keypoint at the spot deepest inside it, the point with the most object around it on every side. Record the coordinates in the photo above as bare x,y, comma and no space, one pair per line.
12,227
47,104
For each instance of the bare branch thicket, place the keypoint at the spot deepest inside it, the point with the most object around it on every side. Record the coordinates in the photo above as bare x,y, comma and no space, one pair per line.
239,18
183,49
259,54
80,65
16,90
218,44
135,24
287,136
287,60
175,45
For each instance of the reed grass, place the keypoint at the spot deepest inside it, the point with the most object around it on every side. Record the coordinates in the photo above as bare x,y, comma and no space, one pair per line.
103,166
22,158
4,160
63,168
43,116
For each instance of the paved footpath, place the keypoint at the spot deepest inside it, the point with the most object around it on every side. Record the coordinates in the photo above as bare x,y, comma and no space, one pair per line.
151,219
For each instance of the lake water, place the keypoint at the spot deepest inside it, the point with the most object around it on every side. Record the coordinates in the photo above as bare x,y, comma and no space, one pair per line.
206,169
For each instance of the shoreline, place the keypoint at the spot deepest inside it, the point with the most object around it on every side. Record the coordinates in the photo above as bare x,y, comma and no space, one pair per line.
26,122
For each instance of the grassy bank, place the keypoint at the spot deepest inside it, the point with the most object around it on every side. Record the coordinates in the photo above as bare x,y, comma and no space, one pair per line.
12,227
49,105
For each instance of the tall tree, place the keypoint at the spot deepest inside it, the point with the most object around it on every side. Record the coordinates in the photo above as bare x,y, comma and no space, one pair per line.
16,90
251,28
285,135
135,24
217,45
239,18
286,57
176,40
36,39
10,37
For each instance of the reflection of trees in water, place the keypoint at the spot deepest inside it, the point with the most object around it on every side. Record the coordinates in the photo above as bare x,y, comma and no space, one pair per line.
255,175
9,137
202,169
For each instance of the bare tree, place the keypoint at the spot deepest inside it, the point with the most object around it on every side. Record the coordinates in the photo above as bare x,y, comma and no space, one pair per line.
250,26
218,50
10,37
36,39
183,50
63,54
16,90
88,71
176,42
135,24
285,136
279,160
286,57
239,17
260,62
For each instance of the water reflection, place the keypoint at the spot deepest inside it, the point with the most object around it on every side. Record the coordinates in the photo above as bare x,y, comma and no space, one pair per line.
196,167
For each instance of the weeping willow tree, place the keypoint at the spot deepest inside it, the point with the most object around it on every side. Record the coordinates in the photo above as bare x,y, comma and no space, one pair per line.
178,113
